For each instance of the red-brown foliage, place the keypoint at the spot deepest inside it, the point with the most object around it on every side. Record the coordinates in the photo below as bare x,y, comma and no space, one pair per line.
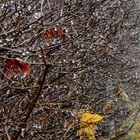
13,67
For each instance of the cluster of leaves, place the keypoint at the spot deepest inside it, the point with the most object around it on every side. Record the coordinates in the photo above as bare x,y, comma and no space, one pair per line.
87,126
74,55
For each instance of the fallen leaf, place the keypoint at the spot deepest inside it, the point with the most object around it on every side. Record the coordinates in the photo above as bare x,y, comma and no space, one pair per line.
14,66
107,106
123,95
87,126
54,33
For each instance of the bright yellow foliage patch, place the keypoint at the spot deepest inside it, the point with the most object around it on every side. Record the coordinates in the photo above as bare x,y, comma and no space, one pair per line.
87,126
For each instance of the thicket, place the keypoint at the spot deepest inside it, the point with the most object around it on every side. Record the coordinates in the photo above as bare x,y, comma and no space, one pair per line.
93,67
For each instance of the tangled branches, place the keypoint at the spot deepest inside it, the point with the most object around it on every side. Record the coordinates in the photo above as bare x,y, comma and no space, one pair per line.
98,56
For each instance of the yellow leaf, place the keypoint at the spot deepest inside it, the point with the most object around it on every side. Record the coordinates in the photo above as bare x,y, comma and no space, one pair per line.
89,118
87,126
88,131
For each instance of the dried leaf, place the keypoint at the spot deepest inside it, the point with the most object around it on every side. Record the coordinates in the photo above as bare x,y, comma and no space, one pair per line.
88,118
107,106
54,33
87,126
13,67
123,95
87,131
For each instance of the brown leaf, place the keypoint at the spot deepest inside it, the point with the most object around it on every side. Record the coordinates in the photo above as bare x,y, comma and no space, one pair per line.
13,67
54,33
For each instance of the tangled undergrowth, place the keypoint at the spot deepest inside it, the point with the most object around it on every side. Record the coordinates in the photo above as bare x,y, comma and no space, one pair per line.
82,56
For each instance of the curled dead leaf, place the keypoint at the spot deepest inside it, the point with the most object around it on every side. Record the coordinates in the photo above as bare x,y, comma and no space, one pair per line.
14,66
54,33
